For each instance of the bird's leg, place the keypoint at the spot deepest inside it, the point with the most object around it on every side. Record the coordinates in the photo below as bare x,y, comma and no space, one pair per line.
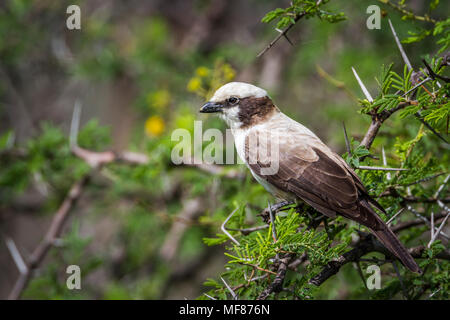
275,208
280,205
272,221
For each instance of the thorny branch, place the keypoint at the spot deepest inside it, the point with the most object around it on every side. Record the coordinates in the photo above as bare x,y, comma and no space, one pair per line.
283,33
95,160
38,255
277,283
366,244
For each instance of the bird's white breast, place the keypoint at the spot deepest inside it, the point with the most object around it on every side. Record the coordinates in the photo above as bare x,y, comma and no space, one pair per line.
279,127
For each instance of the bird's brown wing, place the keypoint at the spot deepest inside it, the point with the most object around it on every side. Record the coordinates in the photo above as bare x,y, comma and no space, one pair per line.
321,180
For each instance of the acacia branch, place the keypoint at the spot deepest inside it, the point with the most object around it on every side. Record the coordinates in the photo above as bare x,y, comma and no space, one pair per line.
95,160
365,245
414,223
277,283
52,234
282,34
378,119
217,170
191,209
407,13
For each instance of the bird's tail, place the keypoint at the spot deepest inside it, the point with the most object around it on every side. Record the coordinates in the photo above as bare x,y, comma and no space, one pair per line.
384,234
391,242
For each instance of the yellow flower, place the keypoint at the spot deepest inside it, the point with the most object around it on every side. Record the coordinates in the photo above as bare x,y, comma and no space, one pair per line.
228,72
159,99
154,126
202,71
194,84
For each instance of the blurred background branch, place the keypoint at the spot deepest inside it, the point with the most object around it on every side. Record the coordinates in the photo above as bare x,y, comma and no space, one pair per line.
98,188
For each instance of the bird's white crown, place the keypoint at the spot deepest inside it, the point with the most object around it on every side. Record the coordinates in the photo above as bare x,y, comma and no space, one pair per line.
238,89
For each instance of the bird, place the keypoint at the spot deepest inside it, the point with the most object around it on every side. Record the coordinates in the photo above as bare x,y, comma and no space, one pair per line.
293,164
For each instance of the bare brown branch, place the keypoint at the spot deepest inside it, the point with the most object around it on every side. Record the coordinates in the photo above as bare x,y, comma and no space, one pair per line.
52,234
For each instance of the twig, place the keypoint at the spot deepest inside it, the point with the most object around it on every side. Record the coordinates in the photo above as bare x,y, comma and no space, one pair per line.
247,231
371,133
17,257
256,267
277,284
249,281
442,205
438,231
75,125
363,87
432,228
419,117
394,216
416,86
53,233
191,209
425,179
400,47
417,214
96,160
364,246
233,294
216,169
222,227
381,168
409,13
272,221
209,296
282,34
438,191
431,295
417,253
433,74
383,154
414,223
338,84
408,63
347,142
377,119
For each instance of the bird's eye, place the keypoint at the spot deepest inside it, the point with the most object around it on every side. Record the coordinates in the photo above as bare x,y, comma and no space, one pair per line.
233,100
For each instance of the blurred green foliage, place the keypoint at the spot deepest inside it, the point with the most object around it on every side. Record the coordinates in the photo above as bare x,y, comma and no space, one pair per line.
141,203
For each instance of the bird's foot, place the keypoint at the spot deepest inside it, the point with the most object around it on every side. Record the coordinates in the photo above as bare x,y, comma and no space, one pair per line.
275,208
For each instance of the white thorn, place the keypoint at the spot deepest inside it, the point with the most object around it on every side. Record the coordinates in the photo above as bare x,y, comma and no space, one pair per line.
363,87
75,124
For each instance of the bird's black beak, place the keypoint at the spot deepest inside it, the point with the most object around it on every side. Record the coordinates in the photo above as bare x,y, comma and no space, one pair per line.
211,107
